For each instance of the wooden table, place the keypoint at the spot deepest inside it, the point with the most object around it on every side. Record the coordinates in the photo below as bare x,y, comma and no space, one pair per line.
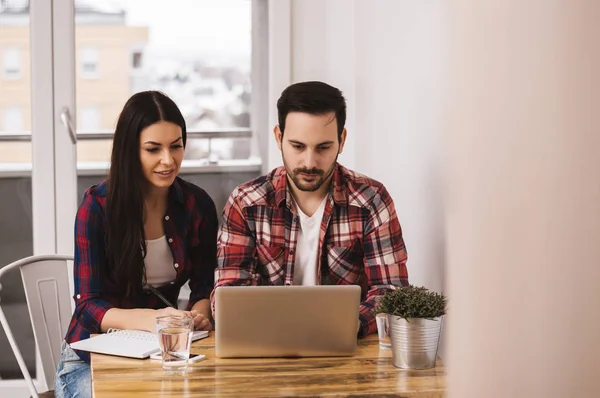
368,373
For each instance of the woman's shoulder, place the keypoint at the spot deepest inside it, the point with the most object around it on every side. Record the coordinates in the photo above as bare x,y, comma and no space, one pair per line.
195,199
94,196
189,189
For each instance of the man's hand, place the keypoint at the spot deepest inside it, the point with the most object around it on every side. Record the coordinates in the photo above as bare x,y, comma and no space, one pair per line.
169,311
201,322
201,314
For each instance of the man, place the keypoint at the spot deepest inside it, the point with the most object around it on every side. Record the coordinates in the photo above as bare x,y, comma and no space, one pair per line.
312,221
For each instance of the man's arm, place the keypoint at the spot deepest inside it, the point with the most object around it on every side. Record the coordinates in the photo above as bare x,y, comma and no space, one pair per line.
236,249
384,257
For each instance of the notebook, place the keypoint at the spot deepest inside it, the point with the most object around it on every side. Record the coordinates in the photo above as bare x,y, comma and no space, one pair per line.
126,343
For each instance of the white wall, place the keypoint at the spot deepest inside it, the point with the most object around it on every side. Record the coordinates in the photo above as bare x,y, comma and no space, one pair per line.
387,56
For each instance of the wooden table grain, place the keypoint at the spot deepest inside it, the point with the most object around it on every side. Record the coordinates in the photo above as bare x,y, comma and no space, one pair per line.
368,373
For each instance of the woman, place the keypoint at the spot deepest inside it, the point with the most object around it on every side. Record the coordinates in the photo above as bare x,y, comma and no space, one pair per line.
143,227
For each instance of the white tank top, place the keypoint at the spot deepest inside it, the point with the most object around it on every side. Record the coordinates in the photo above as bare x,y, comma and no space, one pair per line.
159,262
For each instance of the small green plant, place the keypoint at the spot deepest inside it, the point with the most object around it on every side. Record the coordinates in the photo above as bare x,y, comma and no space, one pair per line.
412,302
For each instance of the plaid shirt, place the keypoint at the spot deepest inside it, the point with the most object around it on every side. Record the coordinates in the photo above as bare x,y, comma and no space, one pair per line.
360,238
190,226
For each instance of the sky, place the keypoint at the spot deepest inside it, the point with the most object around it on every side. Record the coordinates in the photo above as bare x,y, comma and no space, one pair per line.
199,26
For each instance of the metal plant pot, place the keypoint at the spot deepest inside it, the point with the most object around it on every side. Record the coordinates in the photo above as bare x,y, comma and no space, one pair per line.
414,341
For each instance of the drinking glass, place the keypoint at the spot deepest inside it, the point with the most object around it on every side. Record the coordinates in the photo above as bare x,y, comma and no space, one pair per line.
175,340
383,330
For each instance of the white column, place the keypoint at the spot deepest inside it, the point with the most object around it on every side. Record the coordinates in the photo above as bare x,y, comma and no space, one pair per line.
42,142
65,150
259,114
42,127
523,216
280,69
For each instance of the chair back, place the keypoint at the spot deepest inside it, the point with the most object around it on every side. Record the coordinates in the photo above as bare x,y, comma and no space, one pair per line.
46,284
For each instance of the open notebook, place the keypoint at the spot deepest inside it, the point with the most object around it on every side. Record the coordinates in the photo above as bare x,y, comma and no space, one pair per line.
126,343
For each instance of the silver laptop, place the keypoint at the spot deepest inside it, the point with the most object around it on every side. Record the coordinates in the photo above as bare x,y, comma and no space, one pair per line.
286,321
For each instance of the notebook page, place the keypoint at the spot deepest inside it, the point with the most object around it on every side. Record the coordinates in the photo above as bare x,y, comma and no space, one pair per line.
126,343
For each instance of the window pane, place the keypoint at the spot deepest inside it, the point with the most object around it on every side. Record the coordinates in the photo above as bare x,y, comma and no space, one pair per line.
89,118
136,62
15,89
16,231
200,57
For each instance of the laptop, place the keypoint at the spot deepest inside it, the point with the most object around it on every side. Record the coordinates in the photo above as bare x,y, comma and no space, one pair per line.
286,321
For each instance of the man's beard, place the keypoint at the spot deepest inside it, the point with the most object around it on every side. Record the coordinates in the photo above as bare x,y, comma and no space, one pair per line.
321,176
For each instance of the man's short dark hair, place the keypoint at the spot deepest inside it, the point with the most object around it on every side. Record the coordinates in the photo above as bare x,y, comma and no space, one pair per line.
315,98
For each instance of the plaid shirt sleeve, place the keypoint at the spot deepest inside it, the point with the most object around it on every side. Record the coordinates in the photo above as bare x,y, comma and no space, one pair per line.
89,259
236,253
204,254
384,256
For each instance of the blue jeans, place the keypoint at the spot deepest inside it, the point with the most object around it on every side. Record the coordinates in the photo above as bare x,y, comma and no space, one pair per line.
72,375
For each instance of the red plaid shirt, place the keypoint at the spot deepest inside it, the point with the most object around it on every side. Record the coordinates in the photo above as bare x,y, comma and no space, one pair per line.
360,240
191,227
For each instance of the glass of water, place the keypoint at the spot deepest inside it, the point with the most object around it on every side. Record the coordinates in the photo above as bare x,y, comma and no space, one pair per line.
383,330
175,340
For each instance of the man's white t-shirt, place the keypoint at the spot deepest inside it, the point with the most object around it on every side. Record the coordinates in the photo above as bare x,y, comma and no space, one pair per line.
307,246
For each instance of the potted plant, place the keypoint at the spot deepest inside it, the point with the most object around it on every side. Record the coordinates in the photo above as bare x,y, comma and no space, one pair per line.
415,316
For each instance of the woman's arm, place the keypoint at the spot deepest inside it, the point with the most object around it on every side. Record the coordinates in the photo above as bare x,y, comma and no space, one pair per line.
138,318
89,265
204,258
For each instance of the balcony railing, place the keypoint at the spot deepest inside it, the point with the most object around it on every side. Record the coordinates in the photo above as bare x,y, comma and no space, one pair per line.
107,134
204,164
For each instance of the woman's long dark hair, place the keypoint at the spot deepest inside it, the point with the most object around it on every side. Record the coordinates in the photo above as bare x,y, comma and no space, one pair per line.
126,240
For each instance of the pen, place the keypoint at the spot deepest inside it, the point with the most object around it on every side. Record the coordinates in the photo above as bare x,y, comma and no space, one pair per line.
160,296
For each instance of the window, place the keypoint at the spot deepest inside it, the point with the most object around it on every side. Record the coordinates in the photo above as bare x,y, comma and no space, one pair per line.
136,60
89,63
11,63
201,59
12,122
89,118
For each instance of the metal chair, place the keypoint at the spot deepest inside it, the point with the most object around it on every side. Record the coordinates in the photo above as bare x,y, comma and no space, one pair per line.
46,285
